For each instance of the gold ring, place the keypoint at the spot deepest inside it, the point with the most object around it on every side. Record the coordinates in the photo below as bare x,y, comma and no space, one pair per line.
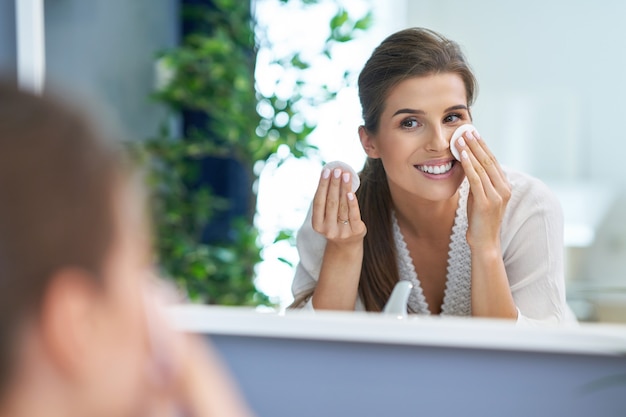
344,221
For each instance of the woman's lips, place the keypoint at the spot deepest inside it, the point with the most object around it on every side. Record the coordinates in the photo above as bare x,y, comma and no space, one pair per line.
437,170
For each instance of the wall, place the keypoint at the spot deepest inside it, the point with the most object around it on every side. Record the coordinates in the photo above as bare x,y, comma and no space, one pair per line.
105,49
551,77
8,53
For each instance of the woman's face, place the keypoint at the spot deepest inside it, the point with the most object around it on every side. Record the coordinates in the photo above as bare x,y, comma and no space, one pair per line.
415,127
119,350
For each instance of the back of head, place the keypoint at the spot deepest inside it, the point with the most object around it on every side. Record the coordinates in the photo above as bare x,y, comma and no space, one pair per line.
57,177
79,333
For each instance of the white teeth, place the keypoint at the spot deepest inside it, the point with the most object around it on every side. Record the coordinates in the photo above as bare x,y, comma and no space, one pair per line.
436,169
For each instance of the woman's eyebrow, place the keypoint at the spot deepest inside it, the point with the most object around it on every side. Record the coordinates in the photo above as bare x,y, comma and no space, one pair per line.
457,107
408,111
422,112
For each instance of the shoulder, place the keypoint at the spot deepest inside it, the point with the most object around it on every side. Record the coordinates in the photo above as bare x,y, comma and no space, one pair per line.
532,207
530,192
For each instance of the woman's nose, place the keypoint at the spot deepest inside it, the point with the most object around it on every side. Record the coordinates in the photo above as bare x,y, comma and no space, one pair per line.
438,139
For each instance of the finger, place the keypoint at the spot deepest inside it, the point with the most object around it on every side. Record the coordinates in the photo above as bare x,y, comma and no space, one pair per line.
333,198
346,187
485,160
319,201
355,213
486,149
479,147
477,157
353,206
483,144
469,164
488,161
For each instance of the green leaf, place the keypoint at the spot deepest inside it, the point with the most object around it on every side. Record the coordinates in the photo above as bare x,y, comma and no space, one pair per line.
339,37
298,63
213,73
284,235
285,261
339,19
365,22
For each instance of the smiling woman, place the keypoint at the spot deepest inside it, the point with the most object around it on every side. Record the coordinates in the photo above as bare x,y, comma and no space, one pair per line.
473,238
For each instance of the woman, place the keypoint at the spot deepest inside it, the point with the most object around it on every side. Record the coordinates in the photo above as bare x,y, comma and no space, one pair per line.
75,339
473,238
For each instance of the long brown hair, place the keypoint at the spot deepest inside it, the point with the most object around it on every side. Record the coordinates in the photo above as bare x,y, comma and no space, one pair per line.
415,52
58,176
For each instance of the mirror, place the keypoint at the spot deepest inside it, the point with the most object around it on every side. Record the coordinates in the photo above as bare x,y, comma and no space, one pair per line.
549,104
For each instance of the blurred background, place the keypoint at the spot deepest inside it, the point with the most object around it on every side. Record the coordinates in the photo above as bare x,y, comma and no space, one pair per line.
234,106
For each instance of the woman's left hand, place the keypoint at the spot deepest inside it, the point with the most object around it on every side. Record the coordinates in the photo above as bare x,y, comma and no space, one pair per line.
490,192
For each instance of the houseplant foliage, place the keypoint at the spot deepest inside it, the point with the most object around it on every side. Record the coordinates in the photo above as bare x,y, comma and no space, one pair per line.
211,72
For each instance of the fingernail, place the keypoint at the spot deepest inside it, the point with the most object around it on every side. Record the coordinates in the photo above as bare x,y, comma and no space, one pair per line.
461,141
346,177
326,173
477,134
350,196
470,136
464,154
337,173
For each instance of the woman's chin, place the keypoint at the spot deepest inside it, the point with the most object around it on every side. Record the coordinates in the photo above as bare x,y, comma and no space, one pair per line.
440,190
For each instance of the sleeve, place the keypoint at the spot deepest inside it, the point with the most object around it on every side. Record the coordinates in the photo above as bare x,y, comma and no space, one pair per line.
532,241
311,246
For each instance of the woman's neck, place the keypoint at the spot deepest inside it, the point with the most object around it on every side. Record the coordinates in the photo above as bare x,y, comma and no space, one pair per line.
32,403
425,219
36,388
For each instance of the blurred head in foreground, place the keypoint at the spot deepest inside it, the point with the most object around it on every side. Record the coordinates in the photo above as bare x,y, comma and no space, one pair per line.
74,252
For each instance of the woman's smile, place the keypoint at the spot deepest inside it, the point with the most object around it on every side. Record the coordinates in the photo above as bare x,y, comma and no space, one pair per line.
420,115
437,170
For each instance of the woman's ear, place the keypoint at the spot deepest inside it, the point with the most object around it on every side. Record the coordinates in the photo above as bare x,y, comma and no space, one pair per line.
66,320
367,141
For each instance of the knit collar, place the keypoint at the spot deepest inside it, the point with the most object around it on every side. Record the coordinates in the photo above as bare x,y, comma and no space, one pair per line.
457,296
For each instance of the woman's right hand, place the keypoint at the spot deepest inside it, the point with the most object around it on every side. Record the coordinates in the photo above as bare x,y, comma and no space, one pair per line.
337,217
336,214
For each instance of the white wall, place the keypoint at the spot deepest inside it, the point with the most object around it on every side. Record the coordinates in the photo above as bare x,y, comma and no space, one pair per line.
105,49
552,77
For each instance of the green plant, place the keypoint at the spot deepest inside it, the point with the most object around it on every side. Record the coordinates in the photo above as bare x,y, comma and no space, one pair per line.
212,72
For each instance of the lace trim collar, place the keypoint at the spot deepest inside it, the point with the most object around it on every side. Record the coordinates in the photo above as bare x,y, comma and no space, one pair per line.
457,296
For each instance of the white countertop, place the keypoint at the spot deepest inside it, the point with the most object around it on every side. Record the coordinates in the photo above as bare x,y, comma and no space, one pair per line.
597,339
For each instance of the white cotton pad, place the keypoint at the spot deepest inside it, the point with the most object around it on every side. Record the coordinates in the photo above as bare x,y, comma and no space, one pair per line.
356,182
457,134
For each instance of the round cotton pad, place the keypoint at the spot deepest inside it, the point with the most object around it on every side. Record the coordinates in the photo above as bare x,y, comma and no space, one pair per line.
457,134
356,182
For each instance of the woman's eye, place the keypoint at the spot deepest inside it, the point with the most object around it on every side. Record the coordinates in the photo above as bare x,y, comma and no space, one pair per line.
451,118
409,123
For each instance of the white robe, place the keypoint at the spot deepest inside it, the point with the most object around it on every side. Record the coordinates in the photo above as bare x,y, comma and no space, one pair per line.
532,250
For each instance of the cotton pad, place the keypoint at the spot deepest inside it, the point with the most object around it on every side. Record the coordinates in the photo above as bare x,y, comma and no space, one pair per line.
356,182
457,134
